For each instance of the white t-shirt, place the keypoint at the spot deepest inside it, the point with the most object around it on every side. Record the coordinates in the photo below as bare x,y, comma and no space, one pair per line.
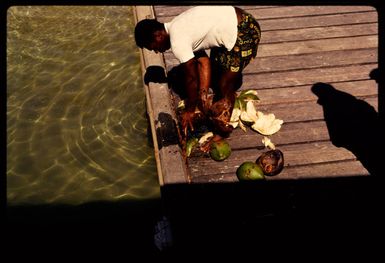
202,27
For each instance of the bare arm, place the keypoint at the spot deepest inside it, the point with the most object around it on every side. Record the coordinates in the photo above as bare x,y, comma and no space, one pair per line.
204,70
198,77
190,70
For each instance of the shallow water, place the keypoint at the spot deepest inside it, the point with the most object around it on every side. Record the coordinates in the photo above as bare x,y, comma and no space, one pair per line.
76,124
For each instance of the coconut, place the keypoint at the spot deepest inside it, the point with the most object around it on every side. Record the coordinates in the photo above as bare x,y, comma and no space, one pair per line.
271,162
220,150
190,144
220,115
250,171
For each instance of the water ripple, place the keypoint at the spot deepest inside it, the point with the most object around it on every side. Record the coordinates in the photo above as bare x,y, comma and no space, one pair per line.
76,128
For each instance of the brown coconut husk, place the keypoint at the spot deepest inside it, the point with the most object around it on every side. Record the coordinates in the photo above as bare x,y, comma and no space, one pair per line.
219,114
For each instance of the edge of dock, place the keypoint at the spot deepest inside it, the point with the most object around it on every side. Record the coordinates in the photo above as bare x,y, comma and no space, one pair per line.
171,166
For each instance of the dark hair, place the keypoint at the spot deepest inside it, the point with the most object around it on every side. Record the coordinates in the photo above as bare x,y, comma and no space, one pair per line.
144,31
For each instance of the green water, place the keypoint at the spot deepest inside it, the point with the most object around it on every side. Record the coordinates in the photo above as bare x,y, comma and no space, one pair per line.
76,125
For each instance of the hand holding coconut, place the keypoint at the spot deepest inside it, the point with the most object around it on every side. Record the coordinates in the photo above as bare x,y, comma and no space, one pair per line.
187,119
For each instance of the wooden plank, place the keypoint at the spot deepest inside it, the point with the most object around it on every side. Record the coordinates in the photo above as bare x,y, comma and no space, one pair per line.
170,11
253,7
313,46
318,21
298,132
303,111
361,88
303,130
167,10
170,163
307,76
295,155
301,34
293,94
300,94
300,61
337,169
311,21
300,11
279,12
315,60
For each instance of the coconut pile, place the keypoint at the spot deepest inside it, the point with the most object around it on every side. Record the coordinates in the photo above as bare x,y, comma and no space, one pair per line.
244,115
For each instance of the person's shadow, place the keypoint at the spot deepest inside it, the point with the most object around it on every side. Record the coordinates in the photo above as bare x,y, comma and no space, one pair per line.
352,123
155,74
176,81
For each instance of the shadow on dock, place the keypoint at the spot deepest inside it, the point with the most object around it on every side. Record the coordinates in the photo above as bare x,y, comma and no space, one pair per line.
352,124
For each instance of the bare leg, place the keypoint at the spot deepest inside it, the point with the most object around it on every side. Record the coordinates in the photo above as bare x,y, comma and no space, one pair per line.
229,83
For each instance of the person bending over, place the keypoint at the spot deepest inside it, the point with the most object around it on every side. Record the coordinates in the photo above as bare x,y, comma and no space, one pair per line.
229,34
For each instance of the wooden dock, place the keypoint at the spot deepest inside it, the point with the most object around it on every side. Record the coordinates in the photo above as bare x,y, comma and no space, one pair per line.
302,47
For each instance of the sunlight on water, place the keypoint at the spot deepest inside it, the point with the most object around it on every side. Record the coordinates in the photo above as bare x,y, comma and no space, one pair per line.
76,123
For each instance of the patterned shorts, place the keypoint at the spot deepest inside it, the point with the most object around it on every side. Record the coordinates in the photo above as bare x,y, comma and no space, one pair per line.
245,48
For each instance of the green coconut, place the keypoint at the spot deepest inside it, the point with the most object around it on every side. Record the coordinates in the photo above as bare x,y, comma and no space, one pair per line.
220,150
250,171
191,143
